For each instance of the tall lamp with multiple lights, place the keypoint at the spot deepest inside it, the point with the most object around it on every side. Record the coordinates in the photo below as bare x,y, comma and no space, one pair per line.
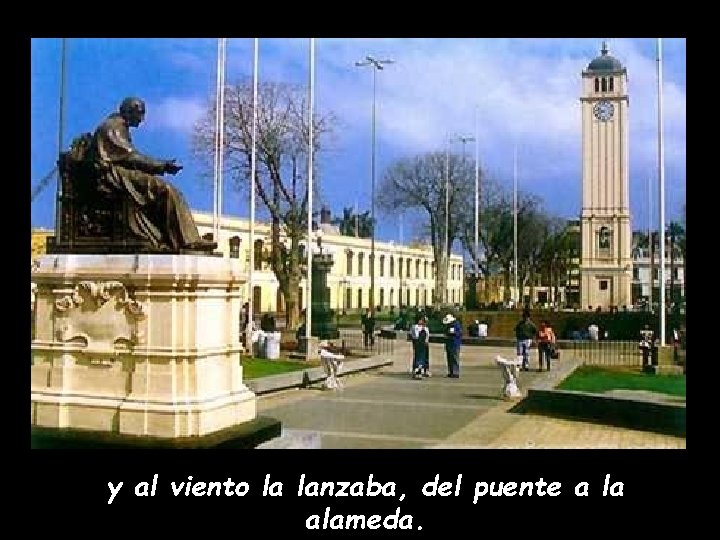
375,65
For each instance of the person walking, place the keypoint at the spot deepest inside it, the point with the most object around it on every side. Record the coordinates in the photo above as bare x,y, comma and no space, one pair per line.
546,343
453,339
368,328
525,331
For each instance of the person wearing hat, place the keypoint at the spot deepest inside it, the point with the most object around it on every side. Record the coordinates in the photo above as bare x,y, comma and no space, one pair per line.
332,363
453,338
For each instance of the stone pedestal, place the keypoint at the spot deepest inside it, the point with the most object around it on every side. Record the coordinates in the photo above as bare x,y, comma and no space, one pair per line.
138,345
323,325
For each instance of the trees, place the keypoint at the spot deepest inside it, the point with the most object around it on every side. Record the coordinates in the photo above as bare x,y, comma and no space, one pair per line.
419,183
353,224
281,166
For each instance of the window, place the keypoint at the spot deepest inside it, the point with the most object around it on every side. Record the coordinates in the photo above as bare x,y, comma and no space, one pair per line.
603,285
382,297
382,266
235,247
604,84
400,267
361,261
349,263
258,254
656,274
417,269
360,299
392,296
676,273
597,84
417,297
611,83
348,298
407,273
636,273
392,267
424,297
425,266
407,297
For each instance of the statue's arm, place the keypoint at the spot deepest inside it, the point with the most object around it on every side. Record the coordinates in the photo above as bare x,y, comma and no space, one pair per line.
120,149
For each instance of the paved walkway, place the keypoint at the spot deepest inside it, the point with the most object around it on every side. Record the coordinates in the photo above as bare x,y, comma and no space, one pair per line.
386,408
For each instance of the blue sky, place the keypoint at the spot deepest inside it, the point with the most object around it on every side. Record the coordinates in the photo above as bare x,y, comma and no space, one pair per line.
525,92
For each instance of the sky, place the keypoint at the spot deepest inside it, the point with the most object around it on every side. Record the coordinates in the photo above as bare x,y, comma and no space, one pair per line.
524,93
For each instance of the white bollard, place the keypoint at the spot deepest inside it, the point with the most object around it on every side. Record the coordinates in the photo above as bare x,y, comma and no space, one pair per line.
509,370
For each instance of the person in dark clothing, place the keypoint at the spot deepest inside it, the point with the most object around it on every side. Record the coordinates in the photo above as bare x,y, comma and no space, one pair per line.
368,328
453,339
525,331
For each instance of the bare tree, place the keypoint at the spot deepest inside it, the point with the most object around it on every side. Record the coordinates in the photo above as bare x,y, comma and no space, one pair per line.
419,183
281,167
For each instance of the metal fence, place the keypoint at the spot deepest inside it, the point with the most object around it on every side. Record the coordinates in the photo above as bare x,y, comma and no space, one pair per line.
605,353
354,342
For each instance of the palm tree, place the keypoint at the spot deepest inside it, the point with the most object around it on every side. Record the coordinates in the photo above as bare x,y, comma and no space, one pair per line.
675,232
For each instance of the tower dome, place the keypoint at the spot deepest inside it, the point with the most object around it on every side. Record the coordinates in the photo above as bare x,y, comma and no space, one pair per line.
605,62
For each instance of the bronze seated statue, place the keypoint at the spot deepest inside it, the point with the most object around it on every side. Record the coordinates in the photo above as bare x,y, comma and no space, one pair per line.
112,199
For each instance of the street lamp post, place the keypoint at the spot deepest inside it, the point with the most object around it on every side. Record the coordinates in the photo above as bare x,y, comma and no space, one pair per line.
375,65
463,140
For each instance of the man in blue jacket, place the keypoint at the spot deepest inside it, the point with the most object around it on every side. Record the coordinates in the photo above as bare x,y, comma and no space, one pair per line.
453,338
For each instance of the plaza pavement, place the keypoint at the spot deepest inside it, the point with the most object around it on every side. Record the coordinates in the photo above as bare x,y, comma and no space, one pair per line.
387,408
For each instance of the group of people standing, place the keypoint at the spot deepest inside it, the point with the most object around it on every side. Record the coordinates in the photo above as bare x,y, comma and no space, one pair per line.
526,332
420,337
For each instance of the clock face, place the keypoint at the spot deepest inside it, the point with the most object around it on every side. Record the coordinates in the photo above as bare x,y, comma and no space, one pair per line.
603,110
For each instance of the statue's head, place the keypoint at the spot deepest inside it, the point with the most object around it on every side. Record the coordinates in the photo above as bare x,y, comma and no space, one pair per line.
132,109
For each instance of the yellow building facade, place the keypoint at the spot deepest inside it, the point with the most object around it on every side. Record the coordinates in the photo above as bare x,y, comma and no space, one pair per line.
404,275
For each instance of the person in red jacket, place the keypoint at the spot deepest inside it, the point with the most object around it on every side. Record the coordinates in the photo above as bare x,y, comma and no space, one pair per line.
546,342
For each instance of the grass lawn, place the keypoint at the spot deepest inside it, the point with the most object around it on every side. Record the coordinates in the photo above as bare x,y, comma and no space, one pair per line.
254,368
601,379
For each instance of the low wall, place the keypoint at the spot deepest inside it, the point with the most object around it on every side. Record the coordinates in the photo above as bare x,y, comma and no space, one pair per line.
648,415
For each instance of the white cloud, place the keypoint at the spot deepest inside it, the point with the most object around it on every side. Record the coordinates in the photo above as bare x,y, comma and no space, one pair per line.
176,113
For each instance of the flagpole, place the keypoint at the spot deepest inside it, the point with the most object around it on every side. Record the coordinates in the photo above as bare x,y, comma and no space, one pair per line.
661,170
61,132
253,161
515,224
308,296
477,201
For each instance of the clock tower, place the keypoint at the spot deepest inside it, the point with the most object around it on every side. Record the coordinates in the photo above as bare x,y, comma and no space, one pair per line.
605,266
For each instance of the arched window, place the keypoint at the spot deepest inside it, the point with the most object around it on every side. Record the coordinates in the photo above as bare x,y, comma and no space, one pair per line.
382,265
349,263
392,266
361,262
235,247
604,84
258,254
425,266
597,84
